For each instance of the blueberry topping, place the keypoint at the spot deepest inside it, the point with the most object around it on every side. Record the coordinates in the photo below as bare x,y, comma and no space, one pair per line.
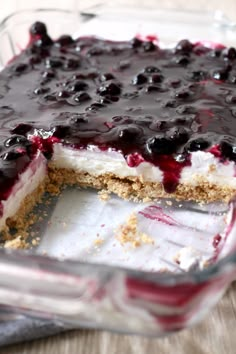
134,97
111,88
139,79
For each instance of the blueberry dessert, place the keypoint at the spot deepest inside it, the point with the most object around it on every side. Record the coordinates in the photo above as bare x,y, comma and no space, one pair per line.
130,117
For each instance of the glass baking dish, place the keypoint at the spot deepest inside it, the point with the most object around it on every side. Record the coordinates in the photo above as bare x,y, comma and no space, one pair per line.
98,292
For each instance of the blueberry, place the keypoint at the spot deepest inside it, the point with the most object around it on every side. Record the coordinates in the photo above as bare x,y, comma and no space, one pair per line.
111,88
64,40
156,78
197,144
44,41
71,64
183,94
22,129
152,88
106,77
48,74
128,133
197,75
151,69
20,68
183,60
60,131
38,29
228,149
184,46
41,90
53,63
220,74
35,60
95,106
229,53
17,140
62,95
139,79
81,97
12,155
78,86
136,43
106,100
179,135
148,46
160,145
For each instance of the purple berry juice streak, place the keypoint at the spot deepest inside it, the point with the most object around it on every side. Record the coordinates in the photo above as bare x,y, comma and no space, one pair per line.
155,104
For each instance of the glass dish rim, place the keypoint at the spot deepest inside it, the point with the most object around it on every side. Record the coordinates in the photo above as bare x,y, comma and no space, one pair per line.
195,276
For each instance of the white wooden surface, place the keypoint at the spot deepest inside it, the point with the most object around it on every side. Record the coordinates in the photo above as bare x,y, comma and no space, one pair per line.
216,334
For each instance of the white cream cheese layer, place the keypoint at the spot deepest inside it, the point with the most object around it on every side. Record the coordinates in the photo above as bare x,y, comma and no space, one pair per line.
97,162
28,181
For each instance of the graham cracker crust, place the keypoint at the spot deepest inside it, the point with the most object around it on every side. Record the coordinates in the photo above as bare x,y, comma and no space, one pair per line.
127,188
134,188
21,220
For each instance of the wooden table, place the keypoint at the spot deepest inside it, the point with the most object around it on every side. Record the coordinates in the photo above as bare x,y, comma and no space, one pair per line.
215,335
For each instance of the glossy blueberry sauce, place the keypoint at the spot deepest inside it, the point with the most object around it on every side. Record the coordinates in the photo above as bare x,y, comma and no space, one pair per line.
151,104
